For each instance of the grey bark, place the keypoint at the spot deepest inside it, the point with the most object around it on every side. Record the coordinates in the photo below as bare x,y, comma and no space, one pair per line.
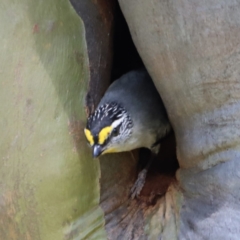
192,50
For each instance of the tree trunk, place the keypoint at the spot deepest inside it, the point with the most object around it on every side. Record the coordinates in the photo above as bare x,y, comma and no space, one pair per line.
48,180
191,49
53,57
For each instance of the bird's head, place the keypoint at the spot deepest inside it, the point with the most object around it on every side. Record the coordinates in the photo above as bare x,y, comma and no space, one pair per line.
108,129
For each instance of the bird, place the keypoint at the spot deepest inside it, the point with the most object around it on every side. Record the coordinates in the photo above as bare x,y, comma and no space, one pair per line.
130,115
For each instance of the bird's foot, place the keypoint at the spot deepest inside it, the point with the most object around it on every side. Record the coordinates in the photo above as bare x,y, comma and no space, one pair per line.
138,185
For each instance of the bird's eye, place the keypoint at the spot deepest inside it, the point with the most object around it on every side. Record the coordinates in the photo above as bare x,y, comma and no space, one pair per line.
115,132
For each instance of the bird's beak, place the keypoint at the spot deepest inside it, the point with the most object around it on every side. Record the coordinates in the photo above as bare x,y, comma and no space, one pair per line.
97,150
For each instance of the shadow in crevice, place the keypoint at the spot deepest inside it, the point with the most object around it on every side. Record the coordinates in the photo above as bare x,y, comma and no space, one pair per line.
125,54
162,172
98,18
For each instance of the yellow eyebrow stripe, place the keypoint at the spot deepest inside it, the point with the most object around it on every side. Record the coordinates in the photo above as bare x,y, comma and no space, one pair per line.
89,136
104,133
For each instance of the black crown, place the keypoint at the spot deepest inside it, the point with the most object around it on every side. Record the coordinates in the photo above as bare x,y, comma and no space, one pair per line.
106,113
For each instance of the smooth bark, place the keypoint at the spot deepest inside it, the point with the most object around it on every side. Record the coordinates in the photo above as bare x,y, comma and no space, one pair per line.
191,49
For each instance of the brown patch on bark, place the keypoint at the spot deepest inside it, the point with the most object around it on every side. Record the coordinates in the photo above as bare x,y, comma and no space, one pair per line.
35,28
106,16
10,210
126,218
162,172
155,187
76,129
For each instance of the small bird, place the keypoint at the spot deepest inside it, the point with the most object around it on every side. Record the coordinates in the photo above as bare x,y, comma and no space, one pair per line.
130,115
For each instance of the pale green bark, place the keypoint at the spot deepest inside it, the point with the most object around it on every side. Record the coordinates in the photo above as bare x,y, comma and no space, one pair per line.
48,181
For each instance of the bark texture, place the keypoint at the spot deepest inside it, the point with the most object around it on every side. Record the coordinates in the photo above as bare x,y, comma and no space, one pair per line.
192,51
44,160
